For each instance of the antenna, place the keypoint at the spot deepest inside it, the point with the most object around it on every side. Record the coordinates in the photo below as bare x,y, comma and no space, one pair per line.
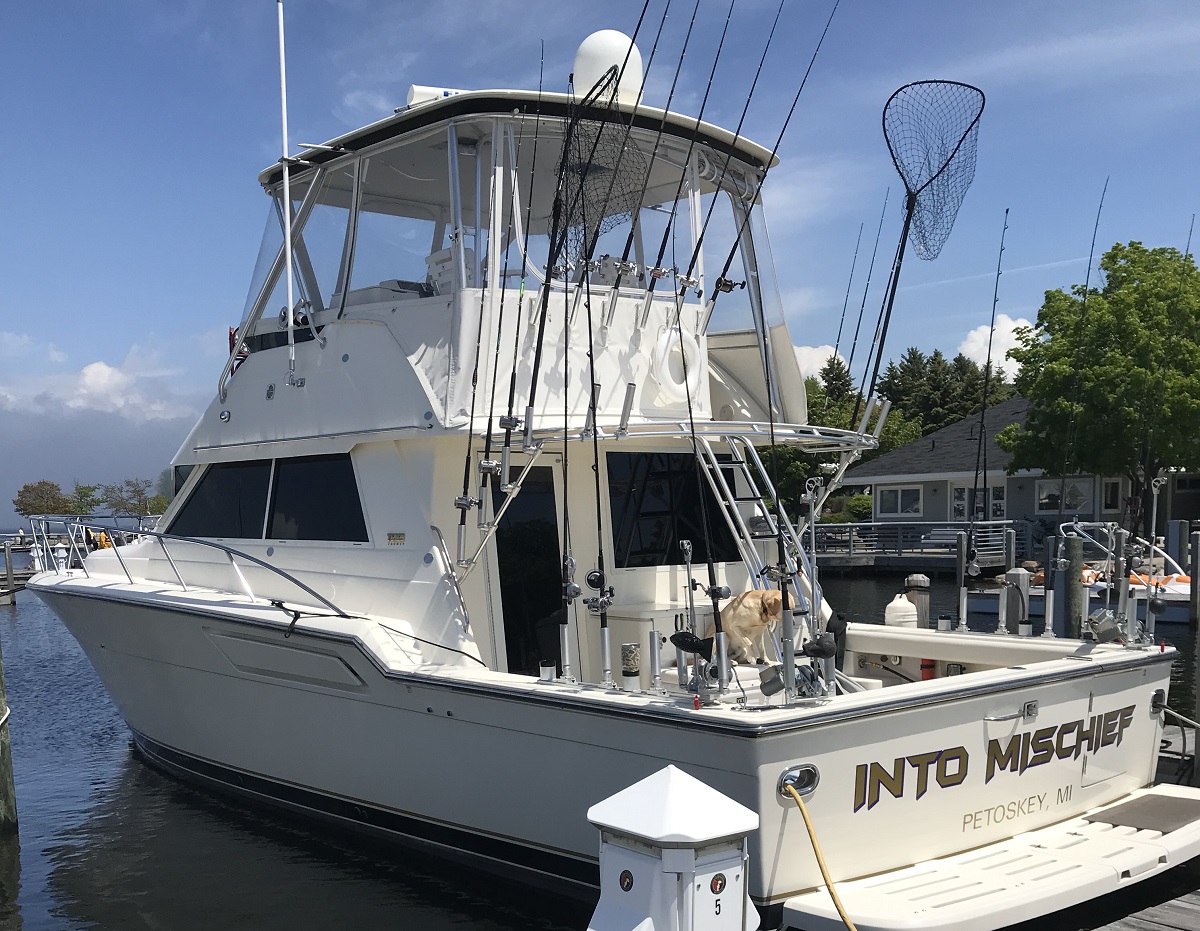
287,202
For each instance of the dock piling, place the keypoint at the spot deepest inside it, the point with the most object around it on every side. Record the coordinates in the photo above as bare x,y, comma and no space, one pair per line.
916,590
1194,569
8,790
1074,601
9,592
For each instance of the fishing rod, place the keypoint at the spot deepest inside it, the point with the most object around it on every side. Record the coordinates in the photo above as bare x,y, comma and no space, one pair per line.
655,272
867,287
509,421
697,253
597,580
737,239
1069,446
584,266
286,161
981,443
610,78
487,467
837,344
623,267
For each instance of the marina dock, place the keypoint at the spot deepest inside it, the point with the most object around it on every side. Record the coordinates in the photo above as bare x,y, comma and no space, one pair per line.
1181,914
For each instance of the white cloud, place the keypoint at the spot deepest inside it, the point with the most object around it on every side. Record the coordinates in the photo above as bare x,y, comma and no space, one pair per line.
139,389
975,346
54,354
812,358
14,344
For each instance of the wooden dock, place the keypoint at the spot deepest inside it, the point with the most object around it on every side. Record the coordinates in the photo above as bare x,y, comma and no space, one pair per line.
1181,914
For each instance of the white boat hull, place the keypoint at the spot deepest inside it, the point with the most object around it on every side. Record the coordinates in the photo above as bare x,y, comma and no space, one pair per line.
505,769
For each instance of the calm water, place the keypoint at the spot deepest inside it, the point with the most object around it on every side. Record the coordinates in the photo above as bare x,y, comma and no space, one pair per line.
108,843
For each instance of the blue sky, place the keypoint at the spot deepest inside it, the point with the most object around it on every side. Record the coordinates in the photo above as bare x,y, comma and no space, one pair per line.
137,129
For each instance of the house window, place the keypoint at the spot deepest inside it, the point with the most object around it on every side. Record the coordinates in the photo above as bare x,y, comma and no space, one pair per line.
999,493
1066,496
1112,494
1187,483
897,501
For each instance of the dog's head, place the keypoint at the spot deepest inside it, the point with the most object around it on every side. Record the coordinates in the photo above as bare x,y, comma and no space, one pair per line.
772,605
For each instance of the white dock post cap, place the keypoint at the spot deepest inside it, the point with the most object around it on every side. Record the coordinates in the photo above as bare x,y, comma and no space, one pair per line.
672,809
601,51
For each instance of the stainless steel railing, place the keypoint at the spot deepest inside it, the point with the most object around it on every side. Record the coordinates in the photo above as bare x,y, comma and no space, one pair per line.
911,537
77,551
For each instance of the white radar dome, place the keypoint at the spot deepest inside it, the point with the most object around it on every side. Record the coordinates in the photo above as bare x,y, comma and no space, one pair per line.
601,51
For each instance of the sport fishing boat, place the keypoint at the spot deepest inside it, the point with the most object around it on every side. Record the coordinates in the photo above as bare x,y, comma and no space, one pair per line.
534,336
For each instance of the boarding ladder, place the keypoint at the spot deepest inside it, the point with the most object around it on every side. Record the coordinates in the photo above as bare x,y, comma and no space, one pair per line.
748,505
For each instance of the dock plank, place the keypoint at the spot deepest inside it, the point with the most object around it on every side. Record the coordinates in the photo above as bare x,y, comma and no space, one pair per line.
1180,914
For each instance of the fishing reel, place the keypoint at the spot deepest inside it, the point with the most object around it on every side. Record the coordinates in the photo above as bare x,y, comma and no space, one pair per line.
603,599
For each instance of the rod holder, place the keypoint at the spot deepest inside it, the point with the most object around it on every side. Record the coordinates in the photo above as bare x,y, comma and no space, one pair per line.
723,672
606,656
788,647
626,410
564,650
655,660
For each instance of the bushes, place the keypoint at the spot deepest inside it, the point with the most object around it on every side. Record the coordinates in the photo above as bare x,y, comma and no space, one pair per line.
846,509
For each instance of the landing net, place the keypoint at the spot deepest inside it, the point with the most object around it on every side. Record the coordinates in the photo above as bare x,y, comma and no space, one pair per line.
931,129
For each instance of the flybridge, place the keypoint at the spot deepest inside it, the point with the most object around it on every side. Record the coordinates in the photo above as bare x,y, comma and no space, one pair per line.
439,225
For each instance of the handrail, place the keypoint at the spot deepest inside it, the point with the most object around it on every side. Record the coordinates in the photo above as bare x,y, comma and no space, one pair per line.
1154,548
1080,527
910,536
268,286
73,528
440,542
813,438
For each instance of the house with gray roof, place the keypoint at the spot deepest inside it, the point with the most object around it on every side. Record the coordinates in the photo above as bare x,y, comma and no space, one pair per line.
934,479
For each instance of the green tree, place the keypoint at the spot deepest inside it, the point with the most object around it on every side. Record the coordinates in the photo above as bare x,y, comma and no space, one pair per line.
42,497
165,487
836,380
1114,389
130,498
84,499
940,391
903,384
157,504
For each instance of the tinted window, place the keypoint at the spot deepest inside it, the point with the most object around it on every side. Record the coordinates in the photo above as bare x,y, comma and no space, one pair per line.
316,498
656,500
229,502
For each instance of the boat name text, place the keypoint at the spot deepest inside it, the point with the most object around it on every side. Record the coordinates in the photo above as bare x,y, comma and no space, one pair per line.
1016,754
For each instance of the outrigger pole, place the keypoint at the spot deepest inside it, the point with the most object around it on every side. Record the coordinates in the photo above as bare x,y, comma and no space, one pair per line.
285,161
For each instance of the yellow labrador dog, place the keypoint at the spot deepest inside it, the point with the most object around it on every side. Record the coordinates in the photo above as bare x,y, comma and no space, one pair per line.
747,621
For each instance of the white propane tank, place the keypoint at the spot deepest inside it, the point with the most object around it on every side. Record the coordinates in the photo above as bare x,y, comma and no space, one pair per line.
900,612
601,51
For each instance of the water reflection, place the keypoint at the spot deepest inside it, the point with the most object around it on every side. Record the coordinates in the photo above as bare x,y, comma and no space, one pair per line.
157,854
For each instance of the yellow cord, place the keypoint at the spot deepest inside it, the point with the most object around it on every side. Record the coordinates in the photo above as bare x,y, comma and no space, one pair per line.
812,836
